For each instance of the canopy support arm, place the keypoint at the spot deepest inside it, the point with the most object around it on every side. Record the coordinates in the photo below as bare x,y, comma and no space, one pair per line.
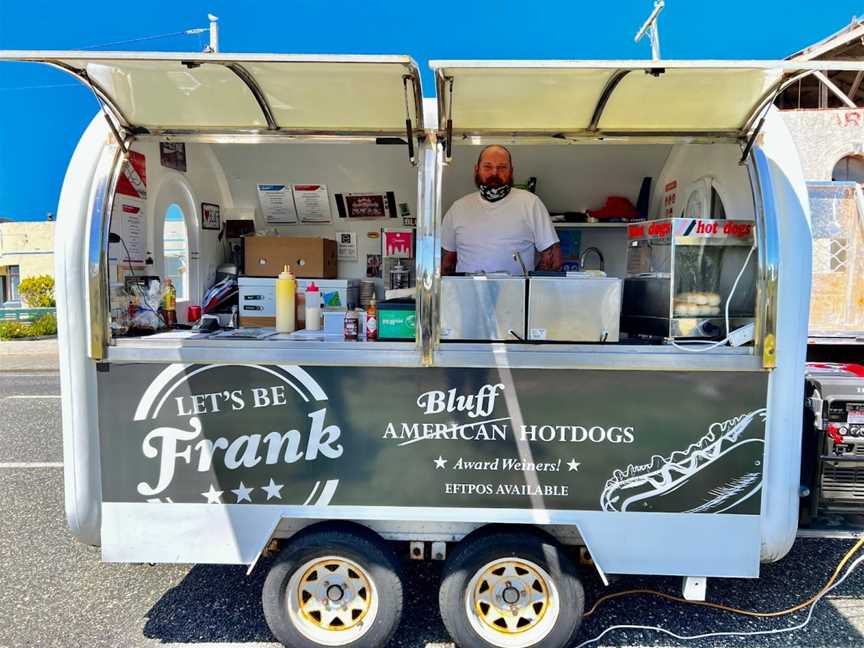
409,129
751,140
121,141
256,91
762,112
608,89
117,136
115,116
448,141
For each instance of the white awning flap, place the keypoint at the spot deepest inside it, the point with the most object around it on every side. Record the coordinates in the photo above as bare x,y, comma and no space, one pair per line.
229,92
602,97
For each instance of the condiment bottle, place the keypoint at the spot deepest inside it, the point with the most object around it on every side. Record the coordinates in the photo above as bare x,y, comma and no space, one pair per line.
286,293
372,320
352,323
313,308
169,304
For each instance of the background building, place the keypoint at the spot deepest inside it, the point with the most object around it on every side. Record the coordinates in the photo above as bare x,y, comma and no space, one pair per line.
26,250
825,115
824,110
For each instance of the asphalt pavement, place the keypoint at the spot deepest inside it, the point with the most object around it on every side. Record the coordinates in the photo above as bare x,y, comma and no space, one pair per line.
55,592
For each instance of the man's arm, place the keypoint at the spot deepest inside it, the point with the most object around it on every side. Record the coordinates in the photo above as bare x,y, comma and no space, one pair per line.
448,262
544,234
550,258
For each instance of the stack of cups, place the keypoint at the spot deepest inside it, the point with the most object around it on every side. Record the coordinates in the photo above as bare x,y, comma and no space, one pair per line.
367,291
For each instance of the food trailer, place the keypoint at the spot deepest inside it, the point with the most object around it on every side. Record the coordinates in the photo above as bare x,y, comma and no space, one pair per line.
520,417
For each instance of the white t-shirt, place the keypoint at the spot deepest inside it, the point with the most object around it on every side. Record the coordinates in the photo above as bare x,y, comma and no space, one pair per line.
484,235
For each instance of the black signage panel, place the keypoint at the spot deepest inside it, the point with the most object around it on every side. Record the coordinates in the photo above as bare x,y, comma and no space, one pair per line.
437,437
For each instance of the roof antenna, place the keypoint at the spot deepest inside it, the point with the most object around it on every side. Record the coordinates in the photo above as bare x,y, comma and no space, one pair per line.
214,34
650,26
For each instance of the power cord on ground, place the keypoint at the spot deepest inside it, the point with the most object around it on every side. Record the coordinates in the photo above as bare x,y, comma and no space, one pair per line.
811,603
726,608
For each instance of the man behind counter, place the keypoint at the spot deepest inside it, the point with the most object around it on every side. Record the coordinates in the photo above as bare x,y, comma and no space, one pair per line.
483,231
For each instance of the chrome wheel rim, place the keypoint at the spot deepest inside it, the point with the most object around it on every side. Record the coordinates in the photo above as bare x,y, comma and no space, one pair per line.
512,603
332,600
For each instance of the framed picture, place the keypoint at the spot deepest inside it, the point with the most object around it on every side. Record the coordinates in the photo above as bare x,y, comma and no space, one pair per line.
373,266
366,205
172,155
210,217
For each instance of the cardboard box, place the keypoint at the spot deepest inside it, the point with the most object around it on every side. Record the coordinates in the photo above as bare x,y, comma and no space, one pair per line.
265,256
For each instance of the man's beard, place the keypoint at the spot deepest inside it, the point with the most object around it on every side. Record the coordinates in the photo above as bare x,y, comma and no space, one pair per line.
493,182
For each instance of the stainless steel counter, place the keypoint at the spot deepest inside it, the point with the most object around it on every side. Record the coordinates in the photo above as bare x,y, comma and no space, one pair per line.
267,351
596,356
620,356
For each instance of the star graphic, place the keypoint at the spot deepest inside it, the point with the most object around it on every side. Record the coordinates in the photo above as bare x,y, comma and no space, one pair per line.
213,495
573,465
440,462
273,490
242,493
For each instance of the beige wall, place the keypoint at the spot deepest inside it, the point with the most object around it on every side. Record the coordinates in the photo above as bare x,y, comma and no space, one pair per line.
29,246
823,137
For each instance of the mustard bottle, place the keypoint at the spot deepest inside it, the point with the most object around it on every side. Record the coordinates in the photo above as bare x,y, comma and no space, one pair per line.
286,289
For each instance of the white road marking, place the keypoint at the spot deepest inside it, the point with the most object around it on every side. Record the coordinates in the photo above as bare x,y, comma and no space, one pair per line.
25,397
32,464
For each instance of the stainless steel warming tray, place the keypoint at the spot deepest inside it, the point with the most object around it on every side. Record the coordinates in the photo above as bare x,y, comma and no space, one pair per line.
574,309
486,307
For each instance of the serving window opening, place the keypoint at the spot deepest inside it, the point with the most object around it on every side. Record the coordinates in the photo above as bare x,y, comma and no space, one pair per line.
229,218
657,242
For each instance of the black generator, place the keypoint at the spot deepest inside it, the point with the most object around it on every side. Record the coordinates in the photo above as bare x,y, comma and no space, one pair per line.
832,464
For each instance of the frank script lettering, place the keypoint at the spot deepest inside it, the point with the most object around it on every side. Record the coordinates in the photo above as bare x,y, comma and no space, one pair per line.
171,445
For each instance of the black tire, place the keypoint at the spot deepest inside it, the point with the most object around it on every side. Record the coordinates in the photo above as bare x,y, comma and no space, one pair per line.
474,553
355,544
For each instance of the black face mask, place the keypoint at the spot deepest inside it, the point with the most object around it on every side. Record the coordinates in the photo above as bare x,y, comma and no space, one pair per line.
494,194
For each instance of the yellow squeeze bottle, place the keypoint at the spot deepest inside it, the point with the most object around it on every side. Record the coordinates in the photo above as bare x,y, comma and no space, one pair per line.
286,288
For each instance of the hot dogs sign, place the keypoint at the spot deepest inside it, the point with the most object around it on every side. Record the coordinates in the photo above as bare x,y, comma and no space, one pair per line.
352,436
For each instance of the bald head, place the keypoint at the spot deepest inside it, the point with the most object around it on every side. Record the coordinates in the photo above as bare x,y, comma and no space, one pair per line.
495,148
494,167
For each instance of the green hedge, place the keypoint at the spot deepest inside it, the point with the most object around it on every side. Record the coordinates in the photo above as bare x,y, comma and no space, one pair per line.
38,291
45,325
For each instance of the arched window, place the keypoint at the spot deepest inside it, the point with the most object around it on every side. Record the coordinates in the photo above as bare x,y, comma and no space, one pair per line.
175,240
703,200
850,169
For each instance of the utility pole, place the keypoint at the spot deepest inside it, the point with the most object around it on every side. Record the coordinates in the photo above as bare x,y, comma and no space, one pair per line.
650,26
214,33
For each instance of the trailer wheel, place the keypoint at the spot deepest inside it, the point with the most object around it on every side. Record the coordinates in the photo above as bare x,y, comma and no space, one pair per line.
509,590
335,586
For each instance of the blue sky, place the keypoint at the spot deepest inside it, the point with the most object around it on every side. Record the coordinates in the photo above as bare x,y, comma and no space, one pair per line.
44,111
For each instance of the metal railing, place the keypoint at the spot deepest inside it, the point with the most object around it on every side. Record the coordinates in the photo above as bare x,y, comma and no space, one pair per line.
24,314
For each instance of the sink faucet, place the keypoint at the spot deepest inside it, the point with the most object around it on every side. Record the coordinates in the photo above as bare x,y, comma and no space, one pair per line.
585,253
